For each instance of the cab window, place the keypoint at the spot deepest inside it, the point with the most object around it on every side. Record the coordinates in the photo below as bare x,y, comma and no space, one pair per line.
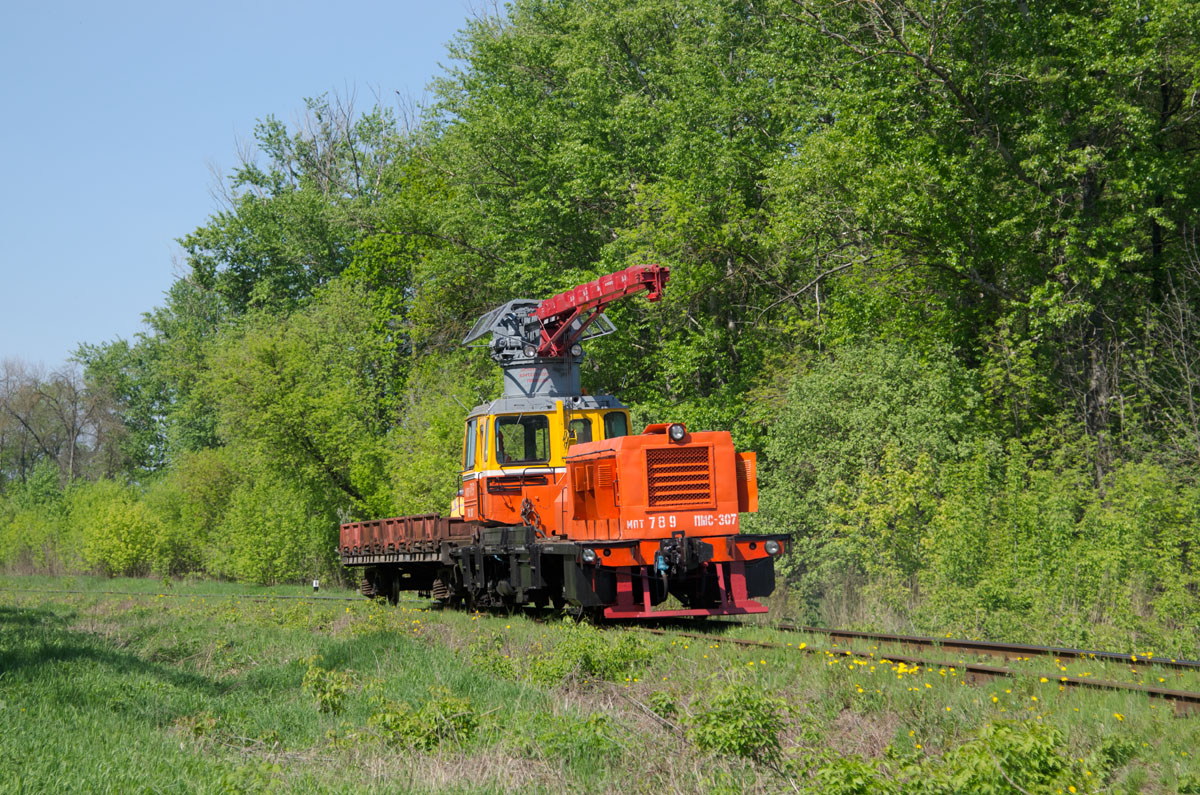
615,425
581,430
523,439
469,447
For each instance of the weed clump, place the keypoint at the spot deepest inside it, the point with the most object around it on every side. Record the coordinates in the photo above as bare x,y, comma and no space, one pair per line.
444,718
739,721
328,687
575,741
200,725
488,655
585,653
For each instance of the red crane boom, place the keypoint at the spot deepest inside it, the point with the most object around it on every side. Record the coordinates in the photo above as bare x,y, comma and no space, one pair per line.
564,317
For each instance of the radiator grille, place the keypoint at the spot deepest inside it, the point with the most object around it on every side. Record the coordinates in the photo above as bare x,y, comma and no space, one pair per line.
678,477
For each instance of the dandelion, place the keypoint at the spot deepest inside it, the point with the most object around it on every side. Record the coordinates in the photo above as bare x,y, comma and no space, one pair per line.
1043,680
1118,716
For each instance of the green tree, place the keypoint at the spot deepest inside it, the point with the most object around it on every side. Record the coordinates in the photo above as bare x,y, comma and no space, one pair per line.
1005,164
290,224
314,393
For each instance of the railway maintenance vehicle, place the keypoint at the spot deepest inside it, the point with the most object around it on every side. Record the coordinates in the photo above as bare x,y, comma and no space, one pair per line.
561,505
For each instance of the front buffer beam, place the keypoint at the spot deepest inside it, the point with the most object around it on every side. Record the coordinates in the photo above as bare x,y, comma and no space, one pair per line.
733,598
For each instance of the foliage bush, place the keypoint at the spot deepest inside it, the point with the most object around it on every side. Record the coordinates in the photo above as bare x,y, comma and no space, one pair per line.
581,652
906,517
273,532
443,718
34,532
117,530
189,502
489,654
867,426
328,687
424,452
1005,758
738,721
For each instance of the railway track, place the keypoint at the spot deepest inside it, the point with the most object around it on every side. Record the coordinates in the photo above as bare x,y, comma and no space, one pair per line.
1007,651
1184,701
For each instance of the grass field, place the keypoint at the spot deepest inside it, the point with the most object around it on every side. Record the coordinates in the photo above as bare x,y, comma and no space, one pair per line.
200,687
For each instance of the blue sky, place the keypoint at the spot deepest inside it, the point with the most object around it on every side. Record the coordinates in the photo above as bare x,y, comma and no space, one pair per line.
116,114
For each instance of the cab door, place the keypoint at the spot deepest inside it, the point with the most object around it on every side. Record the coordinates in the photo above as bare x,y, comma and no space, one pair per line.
470,462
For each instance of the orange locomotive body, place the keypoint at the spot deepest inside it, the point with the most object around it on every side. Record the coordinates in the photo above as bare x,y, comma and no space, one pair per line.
560,505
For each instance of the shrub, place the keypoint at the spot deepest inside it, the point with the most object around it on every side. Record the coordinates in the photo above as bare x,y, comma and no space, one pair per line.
860,424
116,528
273,532
488,654
739,721
328,688
584,652
443,718
1005,758
189,503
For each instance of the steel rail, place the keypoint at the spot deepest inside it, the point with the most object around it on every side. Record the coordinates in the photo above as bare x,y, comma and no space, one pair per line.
1184,701
1008,651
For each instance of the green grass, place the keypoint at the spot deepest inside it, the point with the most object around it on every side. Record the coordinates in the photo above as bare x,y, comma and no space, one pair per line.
196,688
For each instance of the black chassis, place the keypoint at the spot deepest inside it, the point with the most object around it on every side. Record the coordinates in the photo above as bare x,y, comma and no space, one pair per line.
511,566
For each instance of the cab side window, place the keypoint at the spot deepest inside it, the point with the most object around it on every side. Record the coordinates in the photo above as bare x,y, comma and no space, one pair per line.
469,446
523,439
615,425
581,430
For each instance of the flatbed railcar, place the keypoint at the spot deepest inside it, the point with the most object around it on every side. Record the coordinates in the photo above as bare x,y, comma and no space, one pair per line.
560,505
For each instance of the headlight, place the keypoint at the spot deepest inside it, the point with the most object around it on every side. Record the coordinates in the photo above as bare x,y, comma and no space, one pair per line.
577,350
772,547
529,351
676,432
589,556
